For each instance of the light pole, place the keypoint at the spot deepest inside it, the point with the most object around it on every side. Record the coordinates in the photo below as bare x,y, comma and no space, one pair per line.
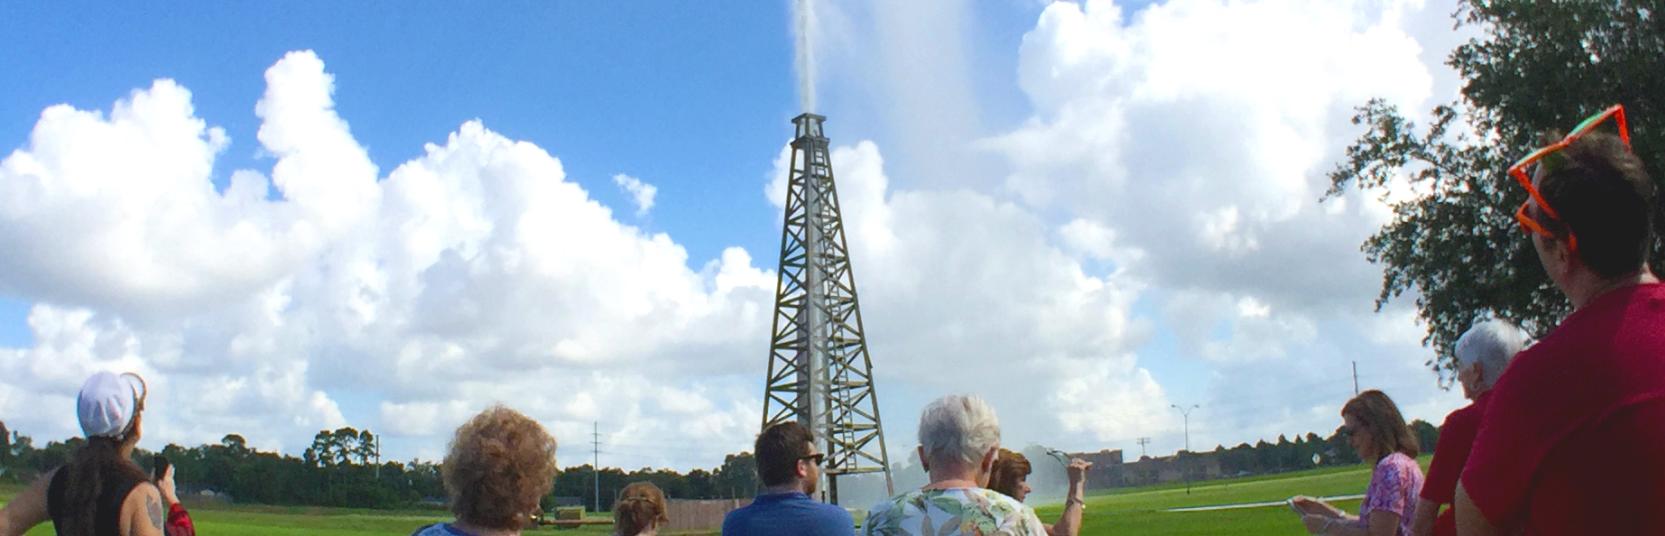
1186,413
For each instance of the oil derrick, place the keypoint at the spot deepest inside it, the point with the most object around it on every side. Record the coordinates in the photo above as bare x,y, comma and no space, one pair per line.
820,373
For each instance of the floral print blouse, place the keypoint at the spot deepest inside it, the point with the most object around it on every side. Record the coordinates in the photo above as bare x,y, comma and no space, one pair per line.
952,512
1394,487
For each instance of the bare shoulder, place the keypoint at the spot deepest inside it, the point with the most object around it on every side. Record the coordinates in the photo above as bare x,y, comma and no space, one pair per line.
142,513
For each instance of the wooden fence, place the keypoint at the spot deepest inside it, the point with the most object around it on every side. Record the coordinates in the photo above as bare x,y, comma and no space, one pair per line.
687,514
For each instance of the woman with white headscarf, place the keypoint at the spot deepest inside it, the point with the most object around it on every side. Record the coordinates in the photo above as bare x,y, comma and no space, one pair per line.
101,492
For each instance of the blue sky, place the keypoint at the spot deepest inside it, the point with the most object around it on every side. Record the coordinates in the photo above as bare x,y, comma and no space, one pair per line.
1048,155
692,104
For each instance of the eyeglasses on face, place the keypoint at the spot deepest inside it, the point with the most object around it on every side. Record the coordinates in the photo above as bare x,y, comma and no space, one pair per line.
1523,169
816,459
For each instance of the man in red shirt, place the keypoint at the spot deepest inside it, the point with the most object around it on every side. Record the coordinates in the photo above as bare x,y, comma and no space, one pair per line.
1573,441
1482,353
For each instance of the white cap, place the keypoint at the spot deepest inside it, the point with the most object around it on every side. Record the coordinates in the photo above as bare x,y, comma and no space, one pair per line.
107,403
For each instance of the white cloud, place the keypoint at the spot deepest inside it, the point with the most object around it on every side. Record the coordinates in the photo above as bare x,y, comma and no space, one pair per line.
1195,135
1165,182
474,273
1199,131
963,292
640,192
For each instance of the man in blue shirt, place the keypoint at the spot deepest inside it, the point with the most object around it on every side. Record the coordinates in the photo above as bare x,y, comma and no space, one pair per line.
790,468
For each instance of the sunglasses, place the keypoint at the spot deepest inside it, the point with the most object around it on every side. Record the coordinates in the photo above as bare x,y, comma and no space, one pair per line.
817,459
1523,169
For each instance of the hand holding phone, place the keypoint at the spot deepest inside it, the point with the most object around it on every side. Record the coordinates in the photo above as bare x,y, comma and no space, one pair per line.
162,472
159,467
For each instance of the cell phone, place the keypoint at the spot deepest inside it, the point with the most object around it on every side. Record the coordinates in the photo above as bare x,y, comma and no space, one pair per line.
158,467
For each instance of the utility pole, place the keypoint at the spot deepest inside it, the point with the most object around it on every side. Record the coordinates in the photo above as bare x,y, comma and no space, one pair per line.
1355,378
1186,412
1142,442
595,465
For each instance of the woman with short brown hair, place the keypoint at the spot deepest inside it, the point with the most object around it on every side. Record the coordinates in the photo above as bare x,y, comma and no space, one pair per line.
1377,432
1010,476
500,465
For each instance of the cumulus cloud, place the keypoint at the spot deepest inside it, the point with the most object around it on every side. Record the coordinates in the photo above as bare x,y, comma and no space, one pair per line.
1198,133
474,273
640,192
964,292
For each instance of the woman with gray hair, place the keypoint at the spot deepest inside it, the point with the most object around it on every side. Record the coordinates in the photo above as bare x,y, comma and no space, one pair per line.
959,440
1482,354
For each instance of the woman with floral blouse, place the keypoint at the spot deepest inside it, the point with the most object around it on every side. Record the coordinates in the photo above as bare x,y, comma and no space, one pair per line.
1377,432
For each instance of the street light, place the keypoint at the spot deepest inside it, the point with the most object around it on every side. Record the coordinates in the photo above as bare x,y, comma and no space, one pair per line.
1186,412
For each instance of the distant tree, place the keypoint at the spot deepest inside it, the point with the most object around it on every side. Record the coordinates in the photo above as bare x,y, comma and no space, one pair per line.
235,444
1427,436
737,477
367,448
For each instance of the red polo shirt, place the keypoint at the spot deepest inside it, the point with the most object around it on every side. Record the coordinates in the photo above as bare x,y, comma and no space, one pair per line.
1456,438
1573,441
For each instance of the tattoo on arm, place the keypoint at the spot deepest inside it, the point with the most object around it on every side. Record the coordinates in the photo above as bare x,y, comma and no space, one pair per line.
153,508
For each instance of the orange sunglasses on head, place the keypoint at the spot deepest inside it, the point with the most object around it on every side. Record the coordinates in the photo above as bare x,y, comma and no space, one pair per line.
1520,172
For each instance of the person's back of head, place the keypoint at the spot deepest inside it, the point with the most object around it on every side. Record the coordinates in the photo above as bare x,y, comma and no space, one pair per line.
500,464
779,450
1010,470
1491,344
1604,196
1387,426
108,407
641,508
958,430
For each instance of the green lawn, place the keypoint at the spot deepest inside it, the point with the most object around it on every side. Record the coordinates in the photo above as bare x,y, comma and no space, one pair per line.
1117,512
1140,510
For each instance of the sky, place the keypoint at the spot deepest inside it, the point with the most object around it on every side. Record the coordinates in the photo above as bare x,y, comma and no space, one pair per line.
304,215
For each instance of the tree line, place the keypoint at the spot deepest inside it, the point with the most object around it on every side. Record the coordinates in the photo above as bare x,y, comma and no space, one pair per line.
342,468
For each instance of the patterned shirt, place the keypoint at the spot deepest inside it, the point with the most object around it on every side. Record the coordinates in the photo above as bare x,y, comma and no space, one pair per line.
1394,487
952,512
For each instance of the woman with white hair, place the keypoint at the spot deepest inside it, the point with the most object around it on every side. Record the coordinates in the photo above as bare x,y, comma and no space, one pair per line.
959,440
1482,354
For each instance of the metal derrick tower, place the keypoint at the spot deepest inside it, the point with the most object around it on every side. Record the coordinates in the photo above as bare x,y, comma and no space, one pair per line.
819,371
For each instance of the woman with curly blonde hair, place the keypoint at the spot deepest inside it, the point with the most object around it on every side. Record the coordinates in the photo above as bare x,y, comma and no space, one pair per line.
640,510
500,464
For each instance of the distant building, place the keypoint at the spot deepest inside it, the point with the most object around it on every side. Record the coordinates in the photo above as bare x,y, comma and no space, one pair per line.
1107,468
1200,466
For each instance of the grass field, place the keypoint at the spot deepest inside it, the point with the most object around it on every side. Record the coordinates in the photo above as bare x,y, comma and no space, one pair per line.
1131,511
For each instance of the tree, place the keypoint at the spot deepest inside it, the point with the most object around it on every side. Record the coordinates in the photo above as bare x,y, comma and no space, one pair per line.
368,451
1540,67
1427,436
737,477
235,445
